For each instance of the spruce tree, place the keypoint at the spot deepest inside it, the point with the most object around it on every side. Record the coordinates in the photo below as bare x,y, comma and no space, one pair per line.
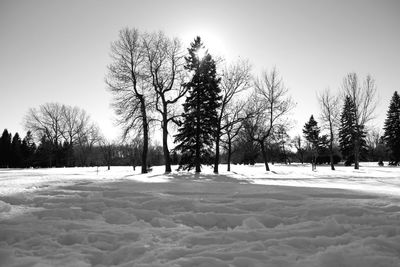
28,149
16,154
348,132
5,149
311,134
197,132
392,129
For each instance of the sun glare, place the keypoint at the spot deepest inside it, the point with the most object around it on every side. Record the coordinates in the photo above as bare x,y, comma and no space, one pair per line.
212,40
201,53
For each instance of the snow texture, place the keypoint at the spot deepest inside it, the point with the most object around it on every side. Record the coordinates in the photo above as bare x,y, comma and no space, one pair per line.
288,217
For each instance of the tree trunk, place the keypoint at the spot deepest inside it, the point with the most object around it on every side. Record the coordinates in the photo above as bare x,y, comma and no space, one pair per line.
216,160
229,154
331,149
331,159
357,153
198,125
145,135
264,153
167,157
331,155
197,158
314,163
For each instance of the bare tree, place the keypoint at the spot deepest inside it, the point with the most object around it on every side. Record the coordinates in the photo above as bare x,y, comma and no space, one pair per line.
363,97
270,104
46,121
107,150
58,123
282,139
232,125
165,61
127,82
235,79
75,122
299,145
87,138
64,124
330,115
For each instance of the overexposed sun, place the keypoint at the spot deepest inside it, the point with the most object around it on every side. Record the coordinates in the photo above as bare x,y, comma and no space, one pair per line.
213,42
201,53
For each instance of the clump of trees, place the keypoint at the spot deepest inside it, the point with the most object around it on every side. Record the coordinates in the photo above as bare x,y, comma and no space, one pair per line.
348,137
67,135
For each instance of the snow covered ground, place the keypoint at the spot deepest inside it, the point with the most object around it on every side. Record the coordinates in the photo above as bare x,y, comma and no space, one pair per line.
289,217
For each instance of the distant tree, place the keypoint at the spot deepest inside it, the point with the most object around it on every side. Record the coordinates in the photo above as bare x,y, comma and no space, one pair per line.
68,129
197,133
235,79
311,133
126,80
28,149
377,150
16,152
5,149
232,126
282,141
246,150
330,113
107,149
300,148
45,154
165,60
363,98
75,124
46,121
392,129
268,106
86,140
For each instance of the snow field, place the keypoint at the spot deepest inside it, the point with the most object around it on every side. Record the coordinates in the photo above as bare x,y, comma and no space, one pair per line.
85,217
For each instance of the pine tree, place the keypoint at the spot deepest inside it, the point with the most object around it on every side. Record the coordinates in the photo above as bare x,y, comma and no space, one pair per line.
5,149
197,132
28,149
16,154
392,129
349,131
45,153
311,134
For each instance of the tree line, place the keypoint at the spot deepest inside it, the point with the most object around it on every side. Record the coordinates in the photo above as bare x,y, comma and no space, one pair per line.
212,112
17,152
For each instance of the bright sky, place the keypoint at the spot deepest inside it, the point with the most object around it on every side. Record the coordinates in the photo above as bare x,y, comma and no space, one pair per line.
57,51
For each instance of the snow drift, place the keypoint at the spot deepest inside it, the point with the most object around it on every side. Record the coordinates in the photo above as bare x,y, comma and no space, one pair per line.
290,217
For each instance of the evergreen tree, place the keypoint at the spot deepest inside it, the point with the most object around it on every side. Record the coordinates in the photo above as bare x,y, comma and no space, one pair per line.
45,153
197,132
16,154
28,149
392,129
311,134
5,149
348,132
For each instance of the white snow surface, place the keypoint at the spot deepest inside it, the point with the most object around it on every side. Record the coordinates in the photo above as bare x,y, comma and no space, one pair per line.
290,216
